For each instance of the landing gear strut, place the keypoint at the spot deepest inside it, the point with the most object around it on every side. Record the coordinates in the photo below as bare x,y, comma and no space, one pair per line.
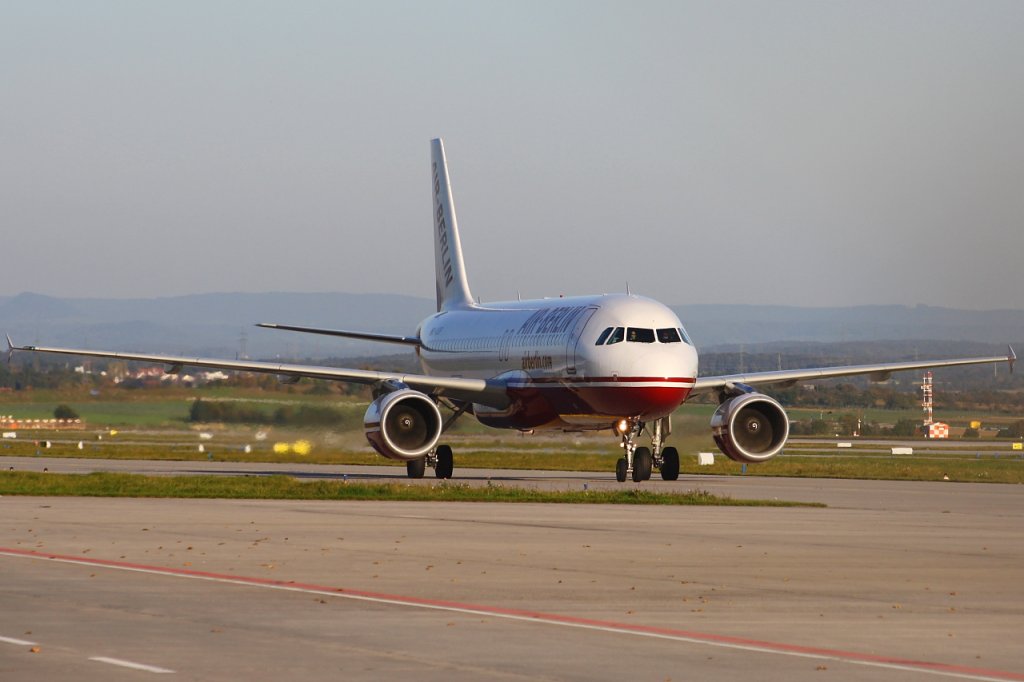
637,460
640,461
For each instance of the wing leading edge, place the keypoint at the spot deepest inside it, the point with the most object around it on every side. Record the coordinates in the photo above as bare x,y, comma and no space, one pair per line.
488,392
878,372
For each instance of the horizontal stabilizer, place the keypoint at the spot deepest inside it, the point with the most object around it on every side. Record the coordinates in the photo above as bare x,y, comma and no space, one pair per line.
365,336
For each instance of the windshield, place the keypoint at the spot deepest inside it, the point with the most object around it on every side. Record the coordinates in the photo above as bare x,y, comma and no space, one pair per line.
613,335
669,335
638,335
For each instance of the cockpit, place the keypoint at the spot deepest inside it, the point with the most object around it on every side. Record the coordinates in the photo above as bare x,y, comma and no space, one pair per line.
613,335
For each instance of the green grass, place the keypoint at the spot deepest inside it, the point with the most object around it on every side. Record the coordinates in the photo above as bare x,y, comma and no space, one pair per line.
992,463
287,488
883,416
987,469
152,408
109,412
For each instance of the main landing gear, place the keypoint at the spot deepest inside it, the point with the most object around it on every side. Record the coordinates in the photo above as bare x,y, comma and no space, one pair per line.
440,459
640,461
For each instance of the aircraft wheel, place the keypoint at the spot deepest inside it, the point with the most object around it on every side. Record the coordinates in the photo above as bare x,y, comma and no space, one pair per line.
445,462
669,464
620,469
415,468
641,465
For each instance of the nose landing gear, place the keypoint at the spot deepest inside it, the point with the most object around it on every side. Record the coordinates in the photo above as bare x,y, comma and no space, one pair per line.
640,461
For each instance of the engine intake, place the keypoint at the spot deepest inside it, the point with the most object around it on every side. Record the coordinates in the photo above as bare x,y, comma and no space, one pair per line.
750,428
403,425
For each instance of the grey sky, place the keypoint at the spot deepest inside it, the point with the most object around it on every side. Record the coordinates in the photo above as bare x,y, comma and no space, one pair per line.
808,153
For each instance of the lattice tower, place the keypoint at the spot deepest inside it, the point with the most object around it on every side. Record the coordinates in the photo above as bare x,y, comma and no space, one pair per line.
926,400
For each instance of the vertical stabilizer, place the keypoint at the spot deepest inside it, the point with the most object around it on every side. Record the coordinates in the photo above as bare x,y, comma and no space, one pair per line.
449,269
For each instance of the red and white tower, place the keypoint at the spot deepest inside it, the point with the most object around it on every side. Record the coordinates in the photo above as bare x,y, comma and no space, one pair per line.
926,400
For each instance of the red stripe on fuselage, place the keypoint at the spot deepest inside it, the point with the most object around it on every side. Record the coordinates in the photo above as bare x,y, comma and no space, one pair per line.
541,404
569,380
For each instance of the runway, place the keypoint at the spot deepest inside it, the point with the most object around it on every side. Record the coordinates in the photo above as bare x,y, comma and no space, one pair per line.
894,581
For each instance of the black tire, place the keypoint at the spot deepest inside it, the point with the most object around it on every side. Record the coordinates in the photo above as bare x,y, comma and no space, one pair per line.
415,468
641,465
620,470
445,462
669,464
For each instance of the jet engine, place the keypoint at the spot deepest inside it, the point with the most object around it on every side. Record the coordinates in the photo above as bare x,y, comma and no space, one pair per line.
403,424
750,427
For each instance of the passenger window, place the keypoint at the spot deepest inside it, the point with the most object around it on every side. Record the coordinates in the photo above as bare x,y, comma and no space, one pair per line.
636,335
668,335
604,337
617,336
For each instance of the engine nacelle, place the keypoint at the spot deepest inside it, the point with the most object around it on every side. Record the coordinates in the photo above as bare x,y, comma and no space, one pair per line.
750,427
403,424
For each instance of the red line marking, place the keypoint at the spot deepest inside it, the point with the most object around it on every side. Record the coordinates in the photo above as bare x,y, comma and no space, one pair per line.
541,617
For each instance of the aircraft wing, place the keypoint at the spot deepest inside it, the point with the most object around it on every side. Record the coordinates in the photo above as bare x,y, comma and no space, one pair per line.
878,372
487,392
365,336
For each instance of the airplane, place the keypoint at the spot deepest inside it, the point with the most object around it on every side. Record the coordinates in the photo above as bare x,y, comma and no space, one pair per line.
612,362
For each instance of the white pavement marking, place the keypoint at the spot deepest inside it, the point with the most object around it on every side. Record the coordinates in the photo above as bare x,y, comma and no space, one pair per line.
130,664
17,642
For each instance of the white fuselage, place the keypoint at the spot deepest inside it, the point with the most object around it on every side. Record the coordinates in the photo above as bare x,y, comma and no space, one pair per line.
582,362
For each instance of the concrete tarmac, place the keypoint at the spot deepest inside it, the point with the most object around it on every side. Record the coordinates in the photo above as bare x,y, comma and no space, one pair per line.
893,581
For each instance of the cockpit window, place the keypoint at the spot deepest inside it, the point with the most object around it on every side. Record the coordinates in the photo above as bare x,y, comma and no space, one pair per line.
637,335
613,335
668,335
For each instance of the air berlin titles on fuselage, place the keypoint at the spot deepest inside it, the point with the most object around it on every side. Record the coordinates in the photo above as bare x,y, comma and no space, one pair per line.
537,361
549,321
552,320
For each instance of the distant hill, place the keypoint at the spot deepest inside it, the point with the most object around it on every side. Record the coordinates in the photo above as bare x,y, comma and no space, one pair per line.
210,324
712,325
214,324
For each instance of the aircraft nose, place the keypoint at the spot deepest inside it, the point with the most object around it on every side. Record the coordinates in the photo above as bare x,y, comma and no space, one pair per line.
654,381
665,360
669,372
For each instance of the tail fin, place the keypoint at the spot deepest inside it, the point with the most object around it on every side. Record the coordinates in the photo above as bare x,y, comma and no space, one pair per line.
449,269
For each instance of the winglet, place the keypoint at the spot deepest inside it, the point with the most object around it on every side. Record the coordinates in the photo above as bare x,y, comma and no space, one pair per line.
10,348
1011,357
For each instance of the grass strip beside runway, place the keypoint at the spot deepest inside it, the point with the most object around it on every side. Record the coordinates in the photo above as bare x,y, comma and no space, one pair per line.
288,488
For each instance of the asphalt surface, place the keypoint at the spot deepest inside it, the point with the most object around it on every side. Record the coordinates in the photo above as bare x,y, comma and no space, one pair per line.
893,581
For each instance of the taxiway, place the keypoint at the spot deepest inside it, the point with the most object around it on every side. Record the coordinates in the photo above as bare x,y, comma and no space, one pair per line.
893,581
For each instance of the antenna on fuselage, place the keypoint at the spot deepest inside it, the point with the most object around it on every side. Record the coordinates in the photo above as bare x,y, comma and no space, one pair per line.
628,292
